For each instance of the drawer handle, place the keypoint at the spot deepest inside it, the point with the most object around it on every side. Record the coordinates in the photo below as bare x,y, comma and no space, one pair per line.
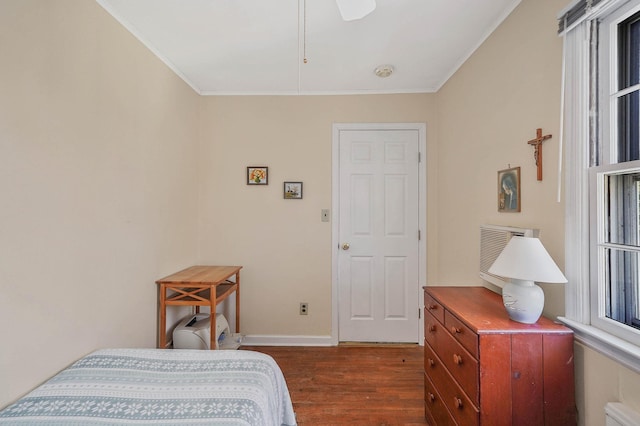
432,307
431,362
432,328
455,330
457,359
457,402
431,397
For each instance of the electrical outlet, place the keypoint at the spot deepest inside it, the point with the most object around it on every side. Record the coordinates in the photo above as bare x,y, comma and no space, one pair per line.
304,308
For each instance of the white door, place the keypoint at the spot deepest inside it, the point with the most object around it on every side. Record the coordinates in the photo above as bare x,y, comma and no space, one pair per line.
378,299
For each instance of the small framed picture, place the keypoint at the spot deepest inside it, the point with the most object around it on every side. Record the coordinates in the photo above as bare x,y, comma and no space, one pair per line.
257,175
509,190
293,190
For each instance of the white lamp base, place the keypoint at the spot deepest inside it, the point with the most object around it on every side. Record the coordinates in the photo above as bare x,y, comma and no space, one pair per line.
523,301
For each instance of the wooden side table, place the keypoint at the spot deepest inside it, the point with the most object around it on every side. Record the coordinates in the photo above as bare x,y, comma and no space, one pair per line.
197,286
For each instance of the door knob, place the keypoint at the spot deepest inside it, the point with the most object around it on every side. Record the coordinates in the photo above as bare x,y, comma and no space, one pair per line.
345,246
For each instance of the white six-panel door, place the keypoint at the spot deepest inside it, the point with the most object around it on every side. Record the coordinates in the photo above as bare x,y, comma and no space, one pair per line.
378,265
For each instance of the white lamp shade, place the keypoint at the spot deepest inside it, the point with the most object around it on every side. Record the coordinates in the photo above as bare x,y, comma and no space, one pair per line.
355,9
525,258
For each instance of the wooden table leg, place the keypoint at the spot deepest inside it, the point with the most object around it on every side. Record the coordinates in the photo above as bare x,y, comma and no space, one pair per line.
212,300
238,302
162,320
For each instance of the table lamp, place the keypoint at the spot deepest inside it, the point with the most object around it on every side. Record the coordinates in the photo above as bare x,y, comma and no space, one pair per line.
525,260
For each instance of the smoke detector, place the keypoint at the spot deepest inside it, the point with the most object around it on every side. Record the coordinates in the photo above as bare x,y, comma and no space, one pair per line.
383,71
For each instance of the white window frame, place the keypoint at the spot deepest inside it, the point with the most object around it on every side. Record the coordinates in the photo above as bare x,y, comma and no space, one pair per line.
598,176
584,290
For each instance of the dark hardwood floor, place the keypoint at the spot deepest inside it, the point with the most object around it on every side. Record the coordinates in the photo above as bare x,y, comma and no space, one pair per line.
353,384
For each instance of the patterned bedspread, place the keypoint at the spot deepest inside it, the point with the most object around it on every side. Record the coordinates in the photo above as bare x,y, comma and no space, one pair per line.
160,387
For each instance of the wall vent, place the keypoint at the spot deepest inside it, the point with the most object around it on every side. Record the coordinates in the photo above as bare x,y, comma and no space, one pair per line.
493,239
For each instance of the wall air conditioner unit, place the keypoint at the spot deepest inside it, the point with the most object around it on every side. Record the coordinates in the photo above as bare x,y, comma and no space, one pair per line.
493,239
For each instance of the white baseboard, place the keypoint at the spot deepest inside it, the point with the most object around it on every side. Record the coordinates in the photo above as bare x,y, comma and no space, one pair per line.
271,340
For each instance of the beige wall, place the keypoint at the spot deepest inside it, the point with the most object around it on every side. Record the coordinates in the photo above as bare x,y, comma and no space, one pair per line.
284,247
486,114
97,186
101,178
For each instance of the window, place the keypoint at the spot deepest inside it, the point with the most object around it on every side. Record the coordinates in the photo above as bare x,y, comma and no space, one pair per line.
615,181
617,248
602,168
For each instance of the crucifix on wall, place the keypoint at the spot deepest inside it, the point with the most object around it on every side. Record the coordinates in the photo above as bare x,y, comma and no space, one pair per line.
537,144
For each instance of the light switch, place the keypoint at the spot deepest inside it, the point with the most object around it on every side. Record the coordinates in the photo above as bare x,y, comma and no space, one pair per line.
325,215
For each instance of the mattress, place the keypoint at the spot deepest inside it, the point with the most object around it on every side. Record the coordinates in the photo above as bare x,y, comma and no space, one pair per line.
160,387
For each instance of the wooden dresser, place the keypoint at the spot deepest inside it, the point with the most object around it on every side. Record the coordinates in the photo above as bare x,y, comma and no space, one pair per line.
481,368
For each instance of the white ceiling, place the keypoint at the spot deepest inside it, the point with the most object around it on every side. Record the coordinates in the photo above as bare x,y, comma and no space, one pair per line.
248,47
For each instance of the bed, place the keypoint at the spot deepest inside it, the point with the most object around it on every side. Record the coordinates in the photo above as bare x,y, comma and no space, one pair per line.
156,386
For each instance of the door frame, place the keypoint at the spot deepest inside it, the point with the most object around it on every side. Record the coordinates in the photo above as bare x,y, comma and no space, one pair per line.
421,128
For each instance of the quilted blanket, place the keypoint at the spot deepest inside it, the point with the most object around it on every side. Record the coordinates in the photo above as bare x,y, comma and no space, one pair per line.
160,387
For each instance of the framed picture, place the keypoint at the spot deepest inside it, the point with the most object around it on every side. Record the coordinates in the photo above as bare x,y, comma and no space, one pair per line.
257,175
509,190
293,190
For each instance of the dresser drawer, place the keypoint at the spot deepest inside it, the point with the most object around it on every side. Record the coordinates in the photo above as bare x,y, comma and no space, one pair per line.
432,329
458,403
460,364
462,333
434,368
432,306
435,410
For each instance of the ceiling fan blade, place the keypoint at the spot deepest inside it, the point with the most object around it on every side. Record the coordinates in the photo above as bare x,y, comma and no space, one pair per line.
355,9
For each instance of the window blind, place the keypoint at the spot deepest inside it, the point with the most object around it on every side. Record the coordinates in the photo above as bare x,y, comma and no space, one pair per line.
576,12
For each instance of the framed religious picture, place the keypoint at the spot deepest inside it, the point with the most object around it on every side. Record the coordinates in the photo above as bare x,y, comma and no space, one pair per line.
293,190
257,175
509,190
